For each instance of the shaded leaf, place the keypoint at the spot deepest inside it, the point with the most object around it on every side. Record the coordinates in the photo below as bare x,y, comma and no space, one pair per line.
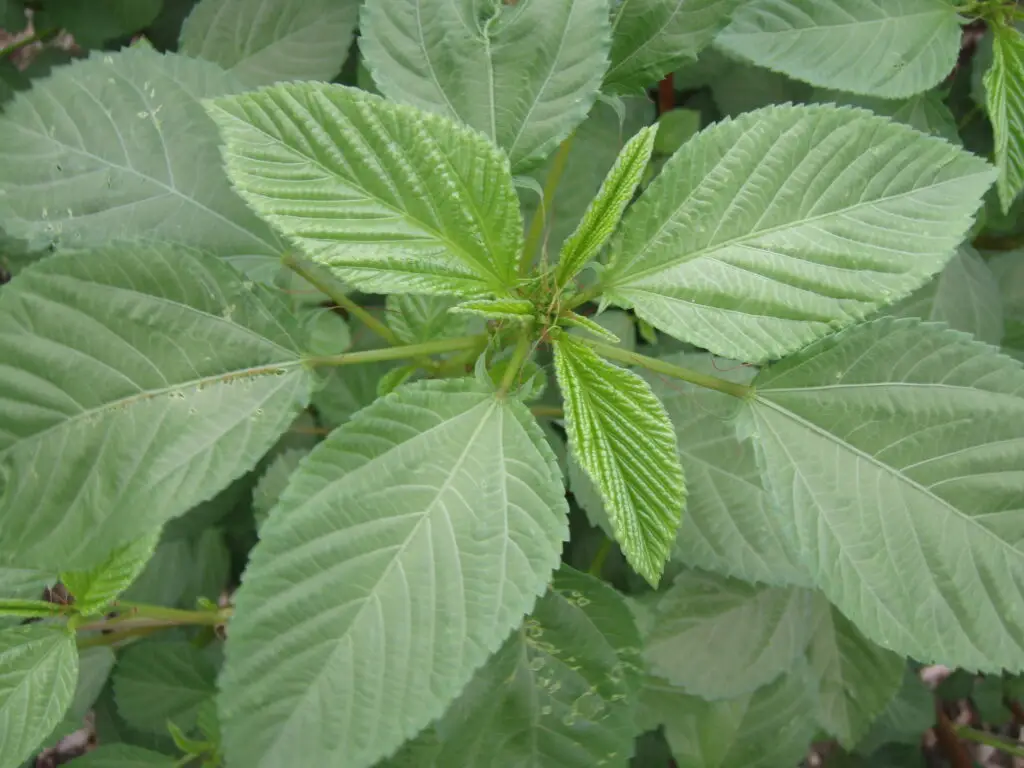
416,318
94,666
1009,271
25,584
907,715
97,21
273,482
124,756
1004,100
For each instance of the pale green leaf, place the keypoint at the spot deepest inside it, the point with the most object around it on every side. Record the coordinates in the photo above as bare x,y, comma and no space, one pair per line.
926,111
159,681
558,694
651,38
855,679
390,198
605,210
620,434
94,665
595,146
416,318
137,381
731,527
766,232
1009,271
405,548
964,296
38,669
124,756
24,584
896,449
1004,100
119,146
273,482
266,41
94,589
522,74
768,728
888,48
718,638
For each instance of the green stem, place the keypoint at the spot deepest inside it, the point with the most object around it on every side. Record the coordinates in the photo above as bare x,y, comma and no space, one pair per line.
175,615
112,638
536,231
26,41
547,411
589,294
602,554
675,371
397,353
515,365
338,297
990,740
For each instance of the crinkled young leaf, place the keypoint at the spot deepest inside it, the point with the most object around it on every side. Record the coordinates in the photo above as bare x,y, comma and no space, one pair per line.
165,680
964,296
124,756
766,232
888,48
94,666
392,199
651,38
523,74
897,448
768,728
731,526
119,146
265,41
95,588
620,434
558,694
588,326
854,678
416,318
38,669
519,310
718,638
605,210
1004,100
405,548
135,382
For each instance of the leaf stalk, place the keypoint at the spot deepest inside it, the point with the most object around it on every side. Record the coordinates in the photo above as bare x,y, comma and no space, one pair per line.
397,353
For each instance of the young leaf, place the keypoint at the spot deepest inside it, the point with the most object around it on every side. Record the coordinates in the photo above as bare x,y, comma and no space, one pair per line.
94,589
497,309
124,756
718,638
558,694
416,318
393,200
438,500
1004,100
651,38
138,380
620,434
524,75
874,47
964,296
731,526
766,232
22,584
164,680
855,679
40,666
897,450
606,209
94,665
265,41
119,146
767,728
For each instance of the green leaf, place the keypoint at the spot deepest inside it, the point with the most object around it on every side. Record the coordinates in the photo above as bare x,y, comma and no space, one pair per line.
896,450
416,318
605,211
854,678
158,681
558,694
497,309
964,295
909,714
333,169
211,568
874,47
119,146
651,38
583,323
22,584
266,41
675,128
620,434
97,21
1004,100
94,665
166,576
273,482
731,525
40,665
739,87
524,75
94,589
927,112
1009,271
438,500
766,232
138,381
124,756
718,638
767,728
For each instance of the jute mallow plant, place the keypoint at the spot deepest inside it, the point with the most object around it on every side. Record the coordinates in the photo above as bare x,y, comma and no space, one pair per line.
459,413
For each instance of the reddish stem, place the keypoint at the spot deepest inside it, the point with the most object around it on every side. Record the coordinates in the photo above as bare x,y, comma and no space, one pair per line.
666,94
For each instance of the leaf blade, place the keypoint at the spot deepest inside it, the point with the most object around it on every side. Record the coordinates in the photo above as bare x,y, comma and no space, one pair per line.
1004,100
